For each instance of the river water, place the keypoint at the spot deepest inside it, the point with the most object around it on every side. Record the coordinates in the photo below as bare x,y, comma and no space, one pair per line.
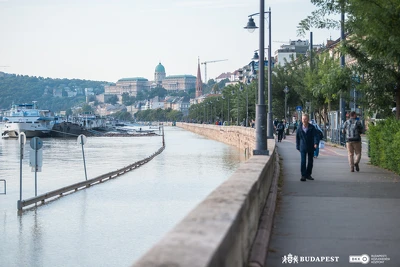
113,223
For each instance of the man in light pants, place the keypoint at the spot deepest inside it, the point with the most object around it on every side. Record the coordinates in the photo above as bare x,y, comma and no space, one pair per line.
353,128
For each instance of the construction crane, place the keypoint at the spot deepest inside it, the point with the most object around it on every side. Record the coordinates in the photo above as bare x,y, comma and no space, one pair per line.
205,67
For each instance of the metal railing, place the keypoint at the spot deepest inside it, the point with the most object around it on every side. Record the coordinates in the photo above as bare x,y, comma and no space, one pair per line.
85,184
336,136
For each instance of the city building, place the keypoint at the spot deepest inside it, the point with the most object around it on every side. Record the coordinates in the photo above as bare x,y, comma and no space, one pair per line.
159,74
178,103
127,85
179,82
293,49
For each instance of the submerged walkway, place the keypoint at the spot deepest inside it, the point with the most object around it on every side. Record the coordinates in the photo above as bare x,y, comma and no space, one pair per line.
339,214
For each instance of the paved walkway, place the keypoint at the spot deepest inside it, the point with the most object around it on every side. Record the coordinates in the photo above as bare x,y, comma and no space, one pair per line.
339,214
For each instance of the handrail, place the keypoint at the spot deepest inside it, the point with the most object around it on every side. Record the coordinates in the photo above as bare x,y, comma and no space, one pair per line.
84,184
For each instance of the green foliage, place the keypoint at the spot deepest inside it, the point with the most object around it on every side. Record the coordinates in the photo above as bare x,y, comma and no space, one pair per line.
159,115
25,89
373,40
157,91
127,100
112,100
86,108
122,116
384,142
179,94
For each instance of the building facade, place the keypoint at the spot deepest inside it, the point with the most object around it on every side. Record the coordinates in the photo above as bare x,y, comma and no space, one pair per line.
128,85
159,74
293,49
179,82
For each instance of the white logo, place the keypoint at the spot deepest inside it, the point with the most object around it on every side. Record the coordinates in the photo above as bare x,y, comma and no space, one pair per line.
290,259
364,259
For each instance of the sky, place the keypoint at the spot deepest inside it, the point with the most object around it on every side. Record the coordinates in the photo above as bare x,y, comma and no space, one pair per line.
106,40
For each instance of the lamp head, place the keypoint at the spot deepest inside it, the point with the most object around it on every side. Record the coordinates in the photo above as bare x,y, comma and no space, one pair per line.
251,25
256,56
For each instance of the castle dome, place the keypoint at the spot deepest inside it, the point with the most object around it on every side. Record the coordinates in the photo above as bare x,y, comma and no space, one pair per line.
160,68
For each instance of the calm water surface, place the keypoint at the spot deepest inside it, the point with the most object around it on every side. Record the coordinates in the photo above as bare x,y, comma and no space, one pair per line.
114,223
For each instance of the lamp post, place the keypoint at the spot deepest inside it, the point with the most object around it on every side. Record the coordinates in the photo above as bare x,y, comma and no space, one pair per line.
228,111
261,134
286,91
207,122
211,115
237,119
247,105
237,101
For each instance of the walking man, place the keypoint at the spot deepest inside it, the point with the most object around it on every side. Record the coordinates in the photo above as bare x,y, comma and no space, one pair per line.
280,128
353,128
306,143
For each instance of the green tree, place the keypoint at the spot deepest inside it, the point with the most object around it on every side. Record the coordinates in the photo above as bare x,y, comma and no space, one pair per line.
373,40
127,100
112,100
86,108
68,112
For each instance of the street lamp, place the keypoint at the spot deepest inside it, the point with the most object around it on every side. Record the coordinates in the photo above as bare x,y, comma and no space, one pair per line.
261,134
247,105
228,109
286,91
222,110
211,115
237,119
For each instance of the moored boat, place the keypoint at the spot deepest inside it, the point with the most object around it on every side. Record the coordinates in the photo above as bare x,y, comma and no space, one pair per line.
28,119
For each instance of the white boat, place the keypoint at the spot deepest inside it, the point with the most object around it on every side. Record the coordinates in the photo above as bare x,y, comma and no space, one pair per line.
28,119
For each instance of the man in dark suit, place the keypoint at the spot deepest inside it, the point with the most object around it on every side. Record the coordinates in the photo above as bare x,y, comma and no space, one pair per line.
306,143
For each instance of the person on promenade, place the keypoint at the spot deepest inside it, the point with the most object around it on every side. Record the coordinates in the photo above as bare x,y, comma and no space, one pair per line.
320,135
280,128
353,128
294,126
306,143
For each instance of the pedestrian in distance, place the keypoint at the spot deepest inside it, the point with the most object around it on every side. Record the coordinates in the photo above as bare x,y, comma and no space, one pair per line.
320,135
353,128
280,128
306,143
294,126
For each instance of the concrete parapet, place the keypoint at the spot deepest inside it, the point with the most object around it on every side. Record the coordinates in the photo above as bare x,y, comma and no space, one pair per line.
242,137
220,231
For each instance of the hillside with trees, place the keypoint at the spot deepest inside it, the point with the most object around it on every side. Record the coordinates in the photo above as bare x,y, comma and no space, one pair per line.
25,89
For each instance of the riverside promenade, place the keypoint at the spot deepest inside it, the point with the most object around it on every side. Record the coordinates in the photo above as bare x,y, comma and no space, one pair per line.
338,214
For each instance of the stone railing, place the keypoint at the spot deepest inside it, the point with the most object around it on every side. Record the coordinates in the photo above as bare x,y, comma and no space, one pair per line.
221,230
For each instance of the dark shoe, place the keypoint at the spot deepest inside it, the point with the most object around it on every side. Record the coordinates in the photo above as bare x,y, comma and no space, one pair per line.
310,178
303,179
352,169
357,167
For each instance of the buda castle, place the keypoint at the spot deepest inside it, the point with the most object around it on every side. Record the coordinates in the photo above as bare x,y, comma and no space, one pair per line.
132,86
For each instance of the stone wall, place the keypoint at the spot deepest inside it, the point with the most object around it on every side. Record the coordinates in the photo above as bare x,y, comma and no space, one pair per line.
241,137
220,231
